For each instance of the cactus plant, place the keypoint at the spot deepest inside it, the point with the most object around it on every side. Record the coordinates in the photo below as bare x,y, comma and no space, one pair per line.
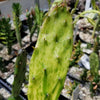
19,72
50,60
49,3
16,20
37,17
94,64
6,35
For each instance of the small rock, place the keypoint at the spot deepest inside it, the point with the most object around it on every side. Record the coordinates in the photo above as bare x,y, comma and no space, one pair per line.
86,37
17,46
76,72
10,70
4,93
27,31
83,45
83,23
84,62
24,89
85,93
4,54
84,48
14,60
87,51
10,79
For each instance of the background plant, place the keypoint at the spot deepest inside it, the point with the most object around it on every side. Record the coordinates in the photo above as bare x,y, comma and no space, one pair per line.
6,35
16,20
95,85
49,3
76,54
34,20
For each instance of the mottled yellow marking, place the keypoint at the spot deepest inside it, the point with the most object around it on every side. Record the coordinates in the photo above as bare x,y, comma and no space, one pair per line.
16,66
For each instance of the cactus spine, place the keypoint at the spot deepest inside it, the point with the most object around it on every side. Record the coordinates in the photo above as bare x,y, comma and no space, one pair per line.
19,72
50,60
16,20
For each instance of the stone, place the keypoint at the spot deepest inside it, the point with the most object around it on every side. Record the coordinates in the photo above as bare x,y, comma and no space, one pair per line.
84,62
4,54
10,79
76,72
86,37
10,70
17,46
24,89
87,51
26,39
14,60
4,93
83,45
66,89
83,24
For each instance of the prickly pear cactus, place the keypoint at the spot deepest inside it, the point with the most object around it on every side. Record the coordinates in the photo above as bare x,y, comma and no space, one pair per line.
19,72
50,60
94,64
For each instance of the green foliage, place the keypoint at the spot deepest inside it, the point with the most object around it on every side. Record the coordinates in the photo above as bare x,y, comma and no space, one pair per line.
29,20
97,26
84,75
2,65
15,98
89,46
6,35
94,5
76,4
71,87
16,20
94,64
76,54
95,85
50,60
49,3
19,72
35,17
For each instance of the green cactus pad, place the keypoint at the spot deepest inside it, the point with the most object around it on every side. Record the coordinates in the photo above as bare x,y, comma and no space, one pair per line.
19,72
50,60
